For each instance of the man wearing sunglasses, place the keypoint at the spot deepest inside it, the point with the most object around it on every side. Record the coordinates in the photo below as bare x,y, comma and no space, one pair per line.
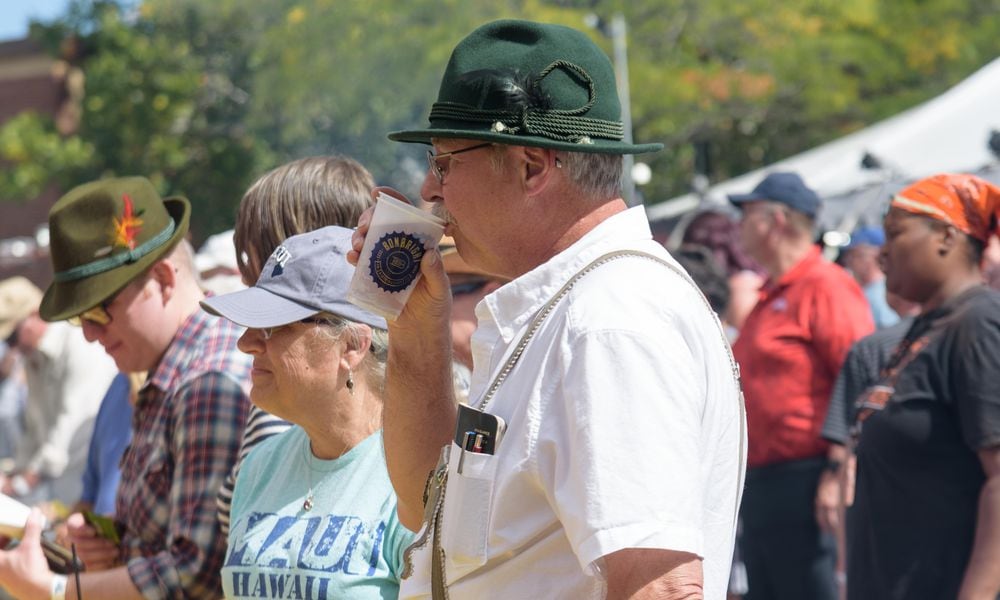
67,377
619,470
122,269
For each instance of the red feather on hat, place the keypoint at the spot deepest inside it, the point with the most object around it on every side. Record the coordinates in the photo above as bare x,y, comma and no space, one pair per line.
128,226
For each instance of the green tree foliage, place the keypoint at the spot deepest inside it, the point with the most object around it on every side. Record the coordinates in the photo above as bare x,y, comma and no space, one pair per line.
757,81
335,77
155,104
34,151
205,96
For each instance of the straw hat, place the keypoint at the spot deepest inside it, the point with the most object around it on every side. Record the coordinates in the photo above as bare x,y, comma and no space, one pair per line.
18,299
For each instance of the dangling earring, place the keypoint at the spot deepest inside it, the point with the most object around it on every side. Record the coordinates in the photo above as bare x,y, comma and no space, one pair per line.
350,383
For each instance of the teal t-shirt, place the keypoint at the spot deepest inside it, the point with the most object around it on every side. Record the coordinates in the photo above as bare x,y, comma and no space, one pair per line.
349,545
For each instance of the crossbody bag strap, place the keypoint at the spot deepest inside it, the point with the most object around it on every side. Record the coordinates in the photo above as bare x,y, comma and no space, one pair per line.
733,366
439,585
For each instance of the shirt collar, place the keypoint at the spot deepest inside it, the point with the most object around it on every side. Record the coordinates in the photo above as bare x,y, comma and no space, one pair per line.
178,352
514,304
798,271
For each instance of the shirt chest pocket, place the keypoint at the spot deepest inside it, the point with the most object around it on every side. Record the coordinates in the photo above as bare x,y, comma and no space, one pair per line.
159,472
468,509
153,464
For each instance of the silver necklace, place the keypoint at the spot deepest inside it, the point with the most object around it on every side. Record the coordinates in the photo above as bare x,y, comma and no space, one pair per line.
308,503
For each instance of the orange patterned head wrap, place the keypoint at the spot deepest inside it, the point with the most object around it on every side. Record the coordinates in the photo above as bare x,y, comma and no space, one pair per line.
965,202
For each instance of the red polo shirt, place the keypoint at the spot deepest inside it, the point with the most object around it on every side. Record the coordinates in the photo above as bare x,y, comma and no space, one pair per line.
790,351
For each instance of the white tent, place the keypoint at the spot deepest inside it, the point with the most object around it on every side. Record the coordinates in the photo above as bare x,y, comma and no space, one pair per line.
949,133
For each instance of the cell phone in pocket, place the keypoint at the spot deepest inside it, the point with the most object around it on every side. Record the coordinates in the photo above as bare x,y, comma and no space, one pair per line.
478,431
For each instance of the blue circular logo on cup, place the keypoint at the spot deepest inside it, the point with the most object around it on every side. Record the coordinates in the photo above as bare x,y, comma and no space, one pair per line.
395,261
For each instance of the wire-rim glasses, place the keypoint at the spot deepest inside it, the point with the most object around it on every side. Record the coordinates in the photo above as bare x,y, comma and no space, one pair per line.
268,332
440,171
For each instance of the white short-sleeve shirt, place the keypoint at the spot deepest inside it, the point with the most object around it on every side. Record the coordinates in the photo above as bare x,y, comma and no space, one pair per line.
624,430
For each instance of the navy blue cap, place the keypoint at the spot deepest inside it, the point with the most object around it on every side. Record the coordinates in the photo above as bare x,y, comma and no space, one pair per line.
871,236
785,188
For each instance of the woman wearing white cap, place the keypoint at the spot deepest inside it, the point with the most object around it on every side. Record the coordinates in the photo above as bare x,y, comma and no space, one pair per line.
313,508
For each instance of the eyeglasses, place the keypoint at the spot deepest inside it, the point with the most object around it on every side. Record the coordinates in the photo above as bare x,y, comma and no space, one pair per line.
97,315
441,169
268,332
467,287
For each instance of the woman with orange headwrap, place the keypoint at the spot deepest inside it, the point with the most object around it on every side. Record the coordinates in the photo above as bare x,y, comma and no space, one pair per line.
926,516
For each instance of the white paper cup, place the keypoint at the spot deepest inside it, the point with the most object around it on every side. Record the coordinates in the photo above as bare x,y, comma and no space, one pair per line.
13,516
389,266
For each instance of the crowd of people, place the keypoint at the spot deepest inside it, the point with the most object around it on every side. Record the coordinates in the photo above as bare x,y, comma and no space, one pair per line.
734,416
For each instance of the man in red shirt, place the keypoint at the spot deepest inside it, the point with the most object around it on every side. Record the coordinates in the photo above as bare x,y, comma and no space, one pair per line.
790,350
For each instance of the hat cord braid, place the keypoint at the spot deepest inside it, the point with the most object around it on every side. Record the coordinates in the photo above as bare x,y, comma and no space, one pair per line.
559,124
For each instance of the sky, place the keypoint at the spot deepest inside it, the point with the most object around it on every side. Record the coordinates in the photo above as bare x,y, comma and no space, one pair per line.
16,14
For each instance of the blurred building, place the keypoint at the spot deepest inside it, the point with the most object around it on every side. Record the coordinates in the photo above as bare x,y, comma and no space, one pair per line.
31,79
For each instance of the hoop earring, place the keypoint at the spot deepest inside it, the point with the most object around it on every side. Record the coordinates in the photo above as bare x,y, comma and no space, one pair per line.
350,383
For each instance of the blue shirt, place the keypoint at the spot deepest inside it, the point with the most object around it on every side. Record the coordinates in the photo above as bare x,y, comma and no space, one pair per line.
112,434
882,313
348,544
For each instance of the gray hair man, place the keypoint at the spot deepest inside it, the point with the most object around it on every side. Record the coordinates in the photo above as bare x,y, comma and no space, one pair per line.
609,456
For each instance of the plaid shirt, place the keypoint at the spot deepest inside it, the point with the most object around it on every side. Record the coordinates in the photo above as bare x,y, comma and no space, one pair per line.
187,427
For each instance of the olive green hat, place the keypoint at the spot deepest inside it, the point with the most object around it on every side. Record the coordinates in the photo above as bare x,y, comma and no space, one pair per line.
102,235
529,84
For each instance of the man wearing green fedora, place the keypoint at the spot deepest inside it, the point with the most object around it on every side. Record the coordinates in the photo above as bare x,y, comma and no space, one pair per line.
122,268
604,453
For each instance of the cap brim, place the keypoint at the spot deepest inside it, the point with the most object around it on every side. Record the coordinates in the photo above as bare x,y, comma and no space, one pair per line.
858,243
256,307
599,146
67,299
737,199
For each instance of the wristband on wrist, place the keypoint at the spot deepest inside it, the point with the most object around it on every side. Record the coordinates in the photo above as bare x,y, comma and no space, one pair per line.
833,466
57,591
20,485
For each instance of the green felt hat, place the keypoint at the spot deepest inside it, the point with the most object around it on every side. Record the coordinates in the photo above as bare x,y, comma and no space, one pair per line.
102,235
529,84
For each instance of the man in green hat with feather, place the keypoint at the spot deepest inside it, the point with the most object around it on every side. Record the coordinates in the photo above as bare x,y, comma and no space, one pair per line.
603,449
123,271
